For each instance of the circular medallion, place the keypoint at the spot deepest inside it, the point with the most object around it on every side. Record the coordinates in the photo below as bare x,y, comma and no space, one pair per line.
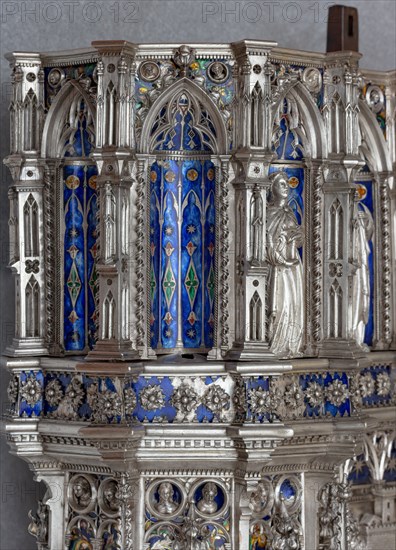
210,498
256,69
149,71
375,98
289,490
92,182
312,79
211,174
192,174
72,182
217,72
111,68
165,499
262,499
82,493
30,77
107,498
55,77
293,182
170,176
153,176
361,191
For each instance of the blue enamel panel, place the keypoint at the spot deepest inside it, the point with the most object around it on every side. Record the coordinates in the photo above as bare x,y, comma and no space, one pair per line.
155,251
80,279
287,144
360,474
182,234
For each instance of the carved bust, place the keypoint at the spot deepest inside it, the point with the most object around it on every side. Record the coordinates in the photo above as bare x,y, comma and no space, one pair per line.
109,496
207,504
81,493
166,504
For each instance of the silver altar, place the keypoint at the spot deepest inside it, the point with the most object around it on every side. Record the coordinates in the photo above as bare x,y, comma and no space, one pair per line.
258,440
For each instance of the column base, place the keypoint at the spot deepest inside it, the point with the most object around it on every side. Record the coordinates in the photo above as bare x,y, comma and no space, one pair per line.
112,350
341,349
251,351
22,347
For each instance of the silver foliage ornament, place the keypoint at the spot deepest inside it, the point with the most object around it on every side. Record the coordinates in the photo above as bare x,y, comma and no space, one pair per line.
336,393
216,399
152,397
314,394
260,401
31,390
53,393
184,399
383,384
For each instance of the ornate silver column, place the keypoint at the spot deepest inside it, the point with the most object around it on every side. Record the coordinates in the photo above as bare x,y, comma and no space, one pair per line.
27,209
114,158
254,117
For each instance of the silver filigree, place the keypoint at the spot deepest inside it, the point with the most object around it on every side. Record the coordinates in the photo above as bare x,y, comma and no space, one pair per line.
355,392
53,393
12,390
336,393
31,390
130,400
152,397
239,399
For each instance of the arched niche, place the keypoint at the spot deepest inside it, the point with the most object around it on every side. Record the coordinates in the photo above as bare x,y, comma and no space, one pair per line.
184,137
71,200
299,147
376,178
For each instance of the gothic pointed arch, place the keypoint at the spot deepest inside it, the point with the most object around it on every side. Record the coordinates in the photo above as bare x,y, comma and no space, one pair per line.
206,118
72,93
373,141
311,119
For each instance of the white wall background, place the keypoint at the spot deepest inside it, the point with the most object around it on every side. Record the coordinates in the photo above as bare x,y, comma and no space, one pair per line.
48,25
